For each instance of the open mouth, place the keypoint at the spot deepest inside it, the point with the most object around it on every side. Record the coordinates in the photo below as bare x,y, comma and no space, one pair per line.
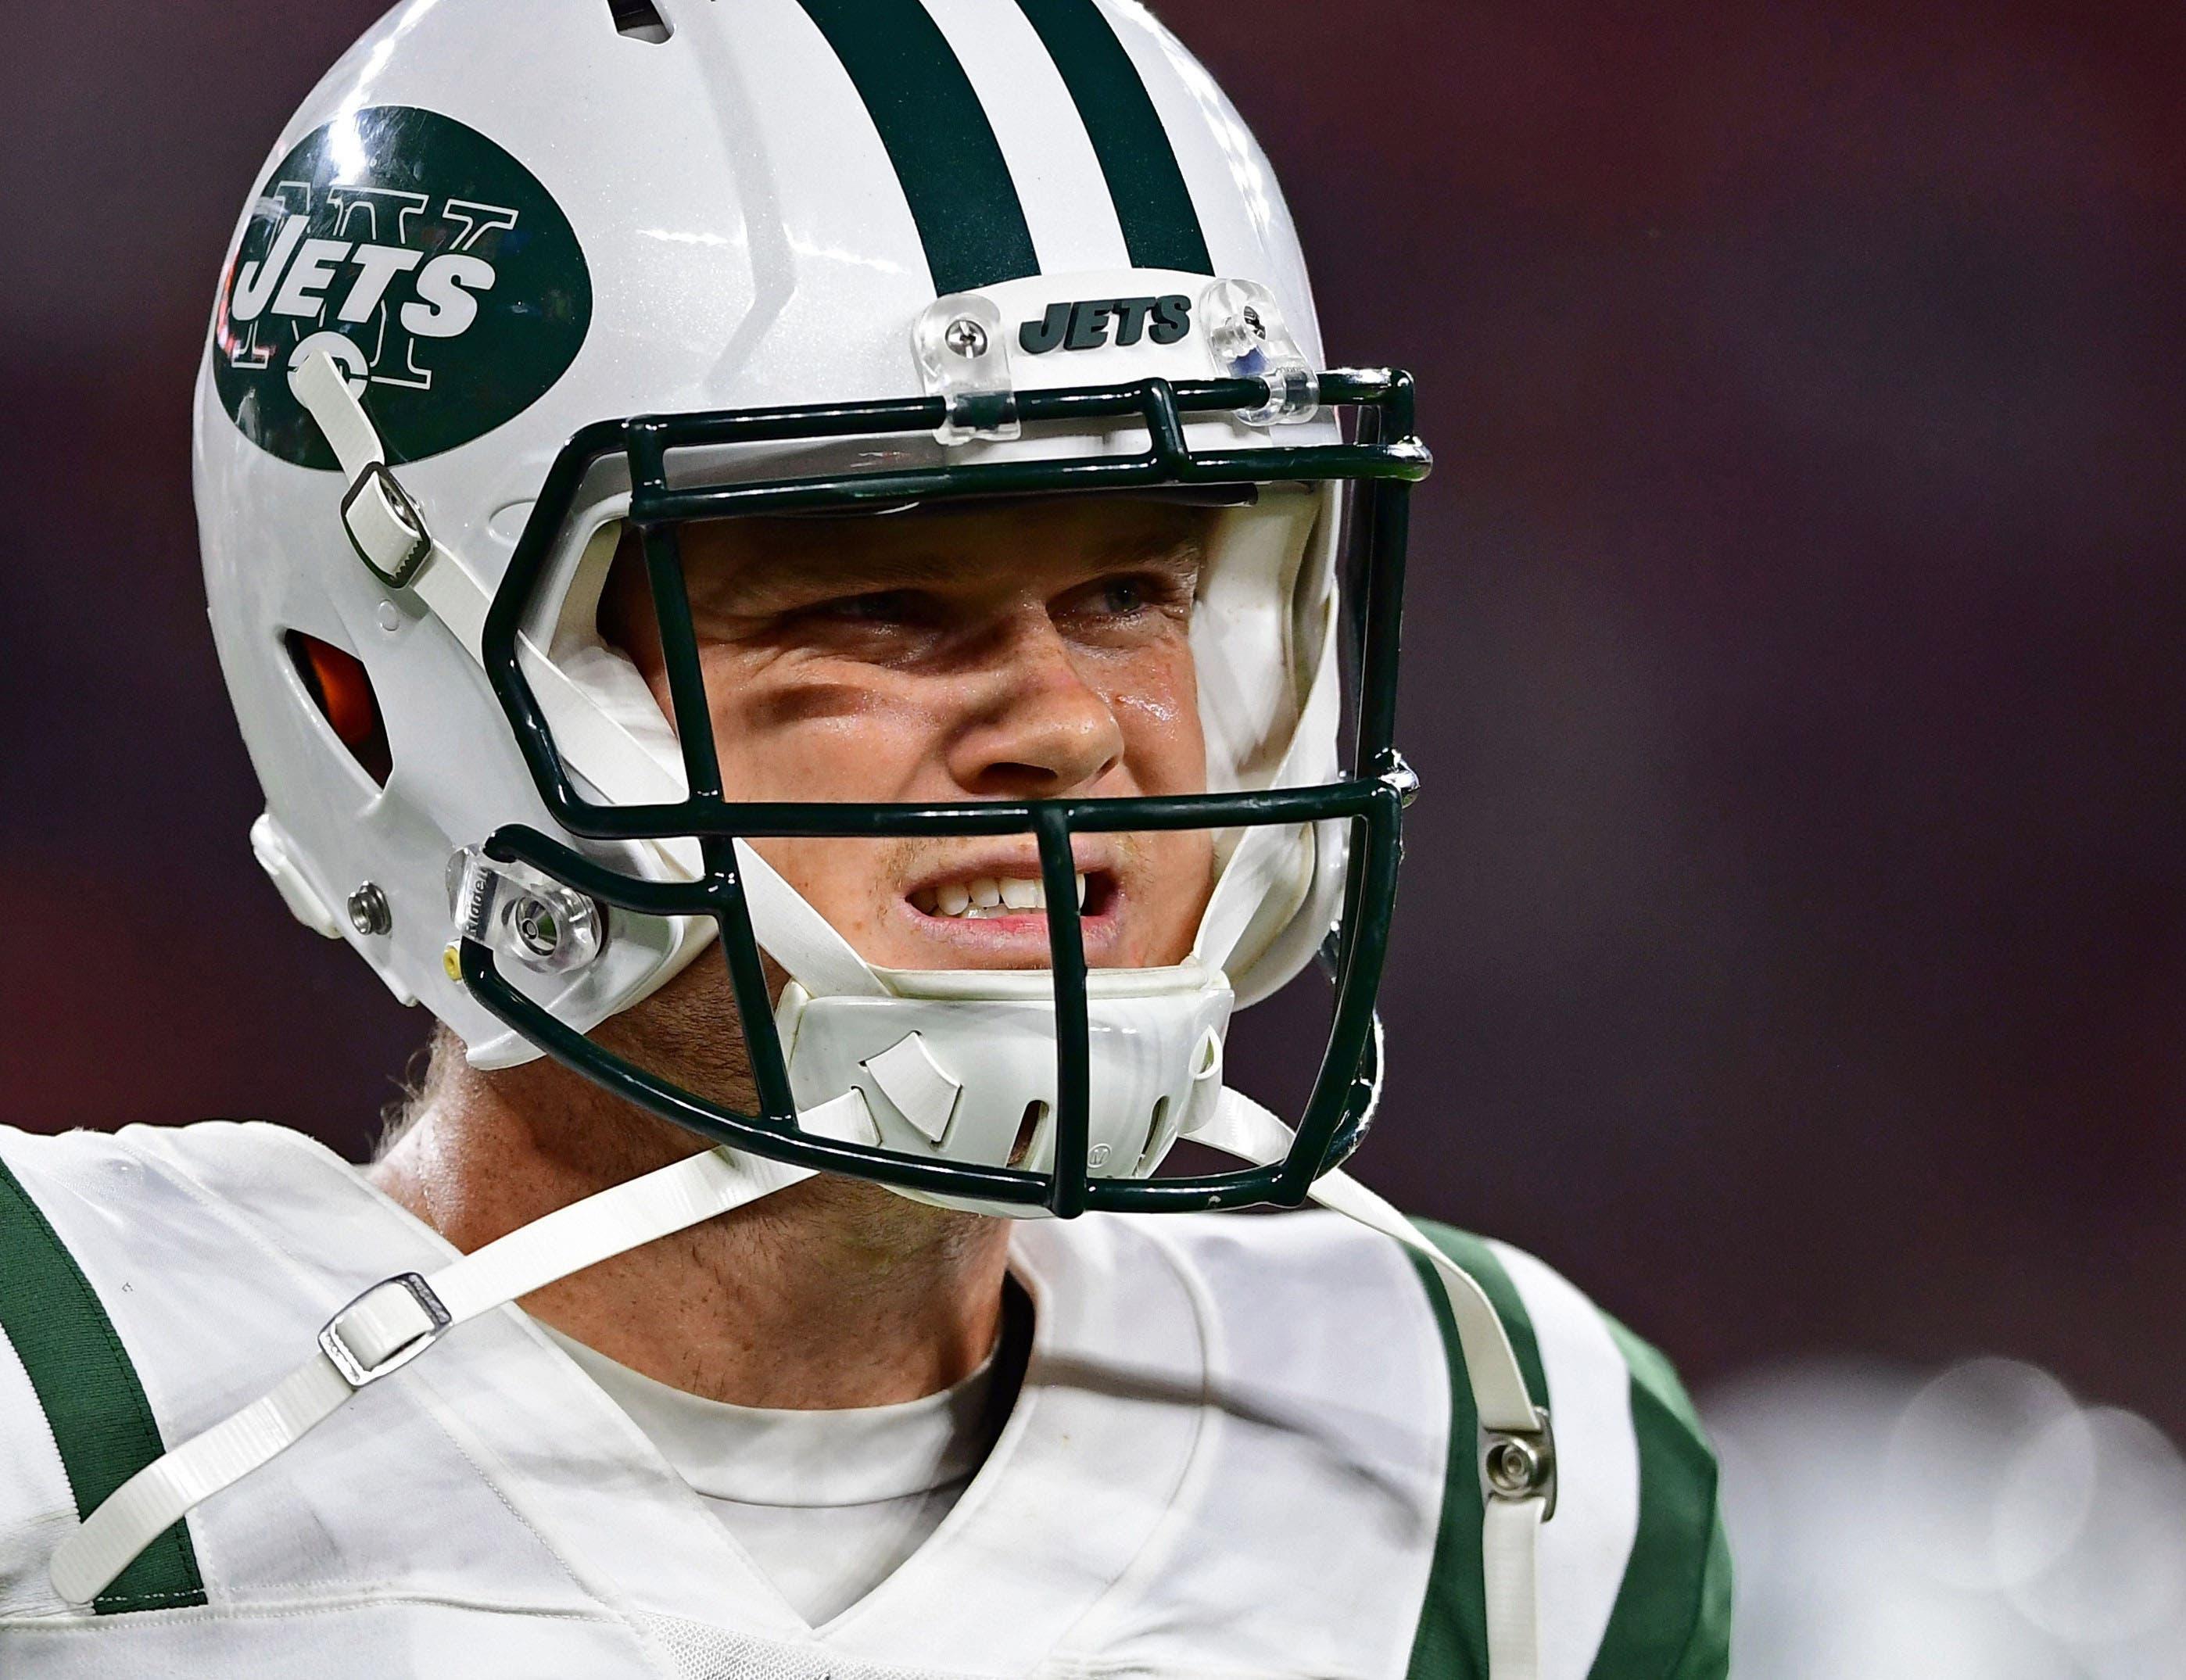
987,898
999,908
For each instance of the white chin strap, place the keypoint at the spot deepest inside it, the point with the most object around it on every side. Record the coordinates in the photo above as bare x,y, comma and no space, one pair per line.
400,1318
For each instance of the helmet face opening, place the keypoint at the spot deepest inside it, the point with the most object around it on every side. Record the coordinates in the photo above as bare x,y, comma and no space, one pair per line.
1068,1156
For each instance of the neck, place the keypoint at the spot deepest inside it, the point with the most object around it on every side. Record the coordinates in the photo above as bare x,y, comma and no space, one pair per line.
830,1294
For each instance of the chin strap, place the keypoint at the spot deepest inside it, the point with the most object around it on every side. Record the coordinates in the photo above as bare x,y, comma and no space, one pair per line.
1516,1451
400,1318
391,538
391,1324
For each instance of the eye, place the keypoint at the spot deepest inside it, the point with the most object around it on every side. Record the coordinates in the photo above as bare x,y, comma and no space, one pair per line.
1124,597
878,606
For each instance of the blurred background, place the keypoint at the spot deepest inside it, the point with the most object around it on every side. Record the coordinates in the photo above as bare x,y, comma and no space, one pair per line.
1793,947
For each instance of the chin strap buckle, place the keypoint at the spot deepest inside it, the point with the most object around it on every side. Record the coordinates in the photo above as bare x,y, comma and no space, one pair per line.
384,526
1518,1464
381,523
384,1329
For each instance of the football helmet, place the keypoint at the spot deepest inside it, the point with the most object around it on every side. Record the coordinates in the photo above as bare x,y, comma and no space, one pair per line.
506,293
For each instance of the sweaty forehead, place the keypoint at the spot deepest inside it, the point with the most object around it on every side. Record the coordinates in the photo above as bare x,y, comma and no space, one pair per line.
1022,539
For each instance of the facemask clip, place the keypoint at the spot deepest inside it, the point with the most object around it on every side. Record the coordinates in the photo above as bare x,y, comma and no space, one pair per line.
525,916
965,361
1250,341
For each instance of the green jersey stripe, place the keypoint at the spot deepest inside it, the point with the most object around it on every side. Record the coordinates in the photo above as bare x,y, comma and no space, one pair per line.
936,133
102,1423
1671,1619
1452,1640
1161,225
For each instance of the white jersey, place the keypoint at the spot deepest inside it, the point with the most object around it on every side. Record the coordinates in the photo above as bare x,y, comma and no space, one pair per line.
1243,1451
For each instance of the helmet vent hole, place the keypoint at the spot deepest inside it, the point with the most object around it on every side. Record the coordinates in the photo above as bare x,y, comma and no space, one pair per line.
1161,1138
1035,1117
338,684
640,20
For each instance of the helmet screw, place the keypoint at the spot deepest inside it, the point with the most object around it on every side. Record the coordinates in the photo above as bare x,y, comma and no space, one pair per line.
966,336
368,912
1511,1468
535,925
1520,1466
1252,320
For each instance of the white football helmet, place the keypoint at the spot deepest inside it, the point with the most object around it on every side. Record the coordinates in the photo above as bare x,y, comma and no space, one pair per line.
502,289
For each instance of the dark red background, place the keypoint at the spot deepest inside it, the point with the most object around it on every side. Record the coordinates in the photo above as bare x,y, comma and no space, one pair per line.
1794,946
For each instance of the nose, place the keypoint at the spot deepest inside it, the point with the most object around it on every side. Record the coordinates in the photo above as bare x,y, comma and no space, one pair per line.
1034,728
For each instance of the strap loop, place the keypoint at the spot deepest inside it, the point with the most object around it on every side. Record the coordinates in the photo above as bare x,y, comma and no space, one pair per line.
381,520
388,1326
384,1329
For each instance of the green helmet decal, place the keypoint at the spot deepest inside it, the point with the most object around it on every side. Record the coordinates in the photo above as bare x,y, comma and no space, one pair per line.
433,267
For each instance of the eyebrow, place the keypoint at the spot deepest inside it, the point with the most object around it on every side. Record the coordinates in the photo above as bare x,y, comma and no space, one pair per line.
757,572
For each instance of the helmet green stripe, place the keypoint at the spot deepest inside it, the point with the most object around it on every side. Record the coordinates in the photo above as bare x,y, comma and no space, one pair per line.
970,219
1161,226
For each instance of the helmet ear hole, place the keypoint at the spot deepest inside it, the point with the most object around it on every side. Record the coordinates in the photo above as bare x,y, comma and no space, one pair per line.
341,688
640,20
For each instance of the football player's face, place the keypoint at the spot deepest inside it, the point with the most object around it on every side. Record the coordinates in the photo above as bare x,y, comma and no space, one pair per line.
1034,649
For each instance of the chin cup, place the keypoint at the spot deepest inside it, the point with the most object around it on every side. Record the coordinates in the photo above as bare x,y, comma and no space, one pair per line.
968,1073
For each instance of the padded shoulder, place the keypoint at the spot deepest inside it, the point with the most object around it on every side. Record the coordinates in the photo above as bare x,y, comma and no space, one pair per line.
70,1390
1348,1333
1636,1576
1678,1583
150,1281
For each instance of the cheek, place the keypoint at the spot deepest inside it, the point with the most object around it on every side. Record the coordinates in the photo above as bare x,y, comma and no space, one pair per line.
787,735
1165,751
1157,711
778,737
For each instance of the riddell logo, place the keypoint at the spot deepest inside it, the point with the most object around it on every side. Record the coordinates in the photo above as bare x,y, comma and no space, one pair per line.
1089,324
433,269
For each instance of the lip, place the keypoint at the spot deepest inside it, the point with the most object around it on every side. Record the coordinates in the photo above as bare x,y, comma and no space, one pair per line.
1019,941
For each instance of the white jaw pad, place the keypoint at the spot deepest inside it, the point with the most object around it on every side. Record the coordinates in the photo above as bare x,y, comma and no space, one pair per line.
973,1080
959,1065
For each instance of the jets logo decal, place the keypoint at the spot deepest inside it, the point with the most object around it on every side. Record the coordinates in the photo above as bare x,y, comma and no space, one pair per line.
1094,323
431,266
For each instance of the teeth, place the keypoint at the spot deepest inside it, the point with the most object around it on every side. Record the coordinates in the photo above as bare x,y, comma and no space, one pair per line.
988,895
